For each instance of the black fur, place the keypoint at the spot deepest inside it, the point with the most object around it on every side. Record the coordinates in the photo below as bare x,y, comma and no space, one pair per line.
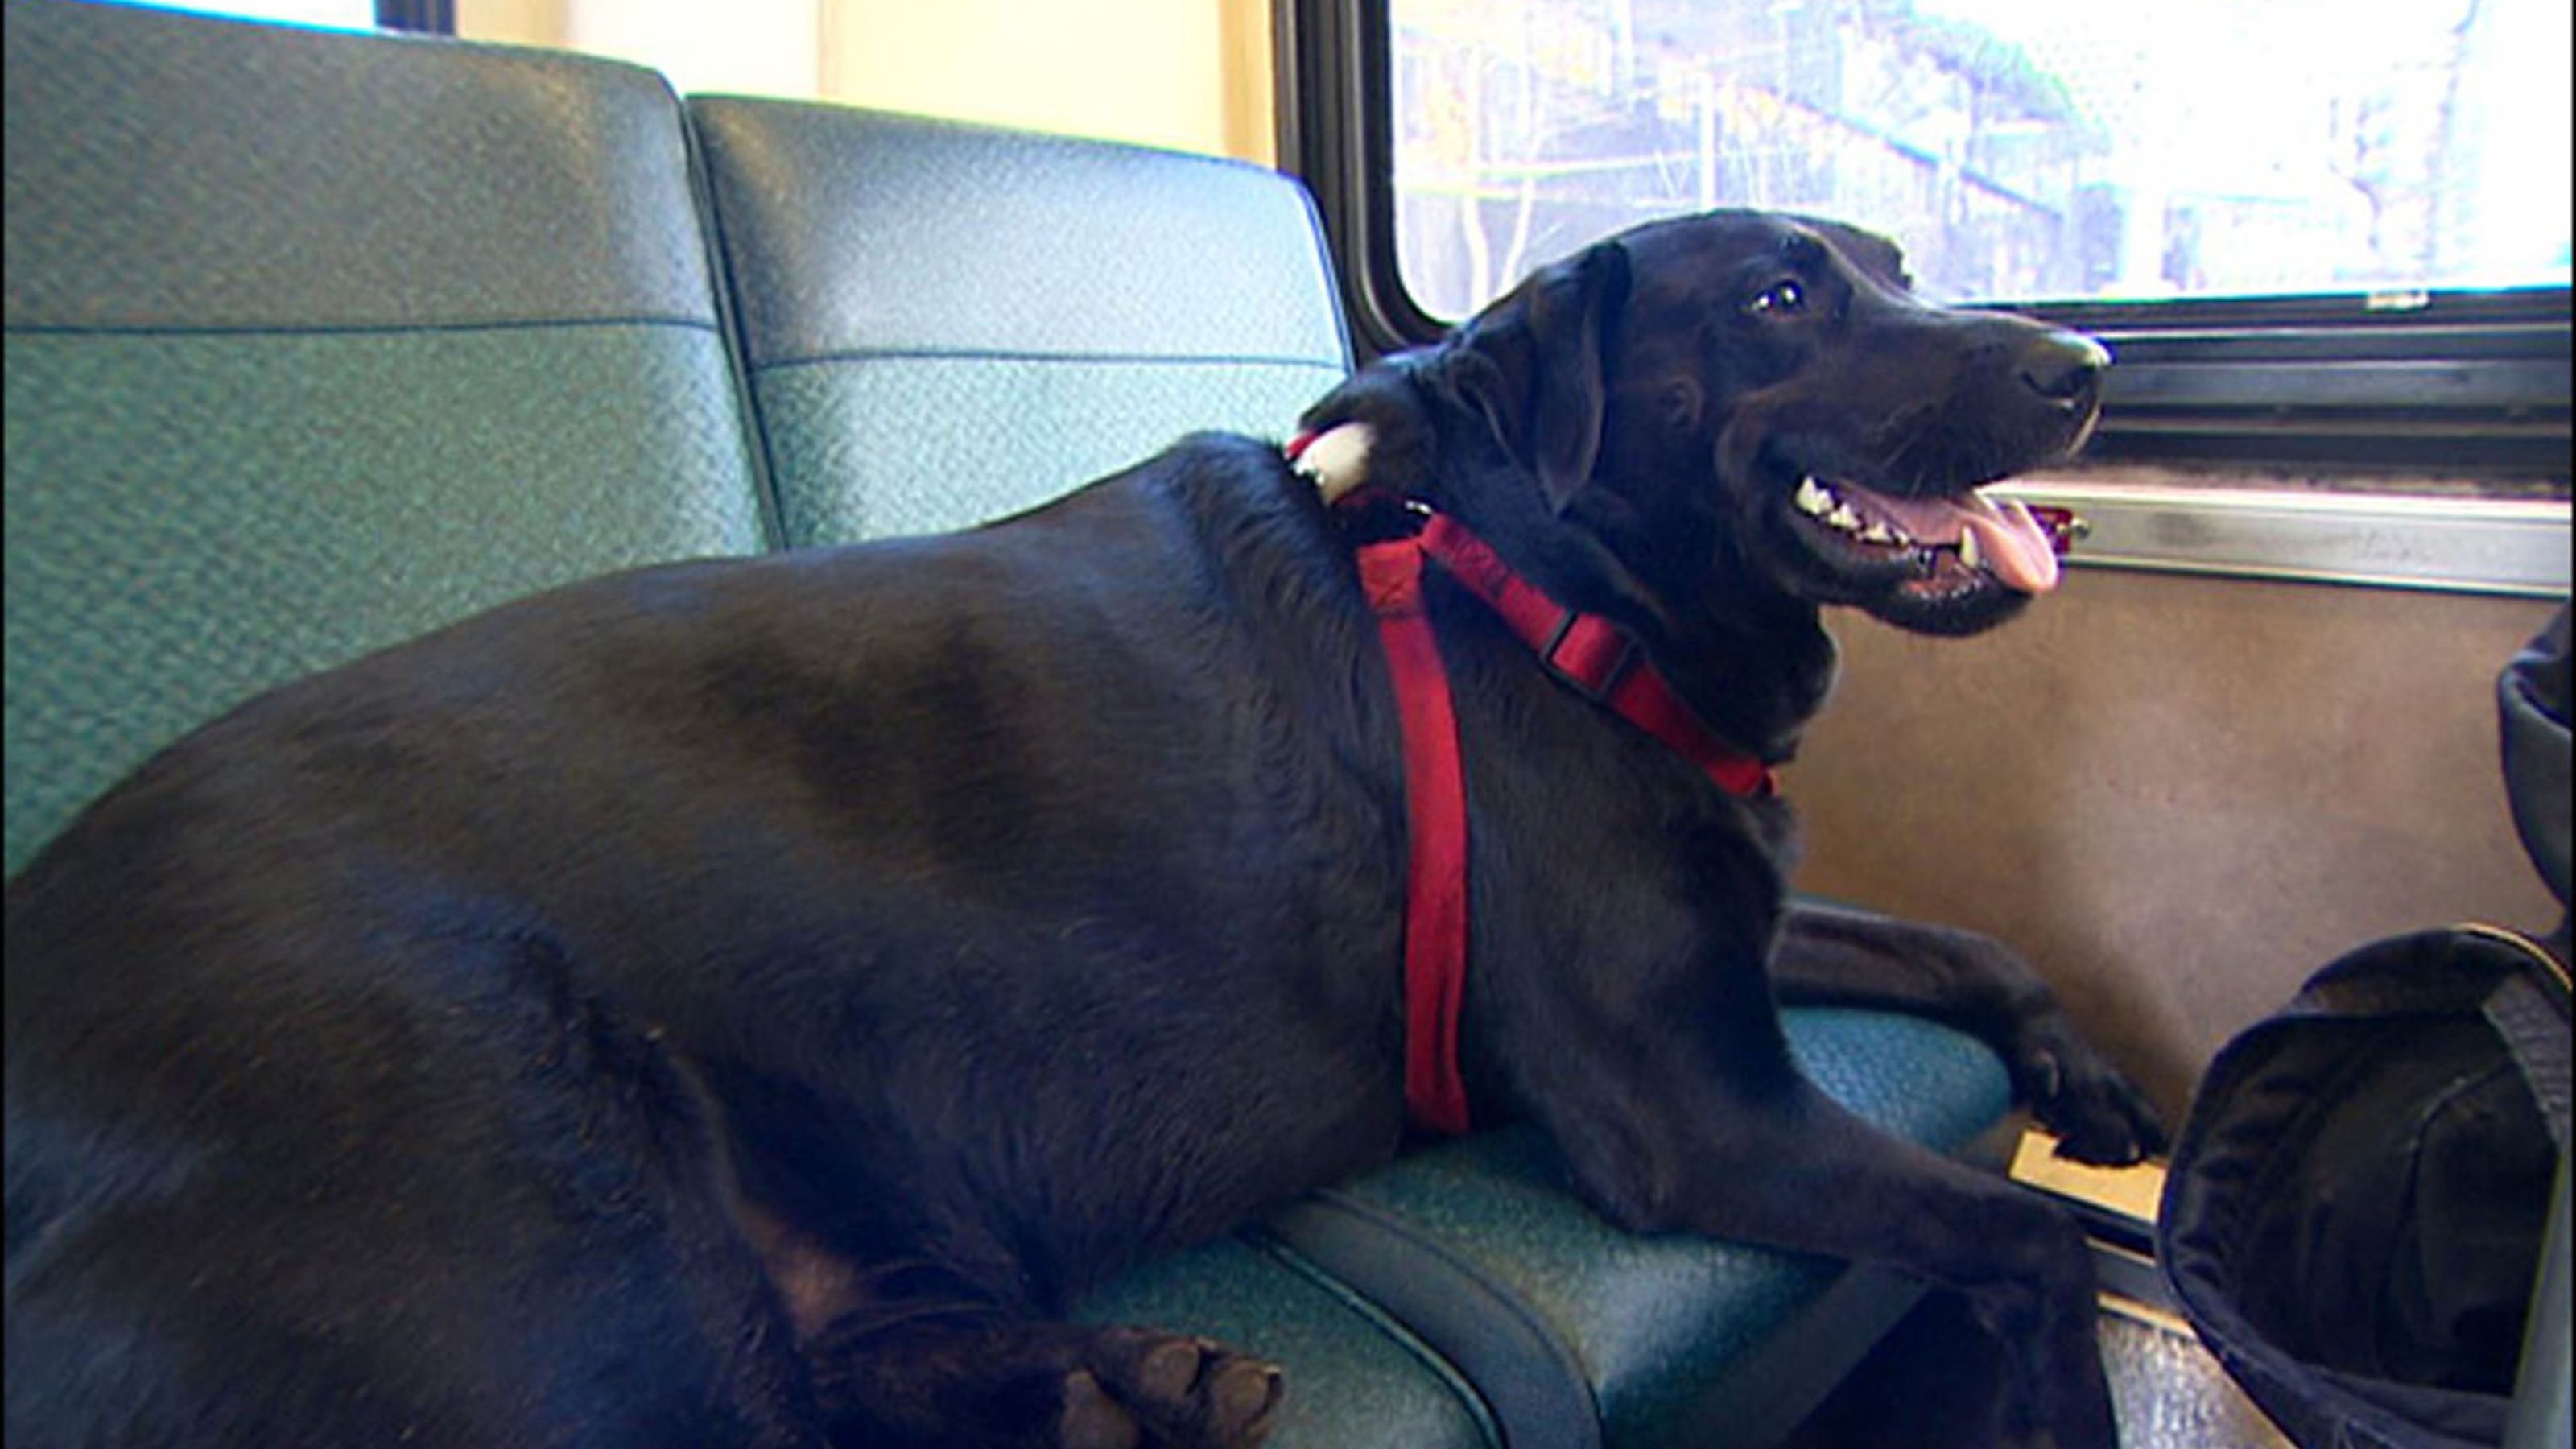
743,1002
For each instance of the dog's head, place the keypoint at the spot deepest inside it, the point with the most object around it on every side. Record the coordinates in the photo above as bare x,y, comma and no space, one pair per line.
1751,401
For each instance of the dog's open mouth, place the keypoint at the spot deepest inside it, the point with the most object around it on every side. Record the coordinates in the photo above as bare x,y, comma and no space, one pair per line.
1950,545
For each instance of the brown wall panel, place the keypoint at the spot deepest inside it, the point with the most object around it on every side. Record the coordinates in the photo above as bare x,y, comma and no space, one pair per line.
2177,795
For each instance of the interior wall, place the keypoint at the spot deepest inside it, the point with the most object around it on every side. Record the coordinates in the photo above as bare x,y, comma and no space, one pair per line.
2178,796
1161,72
1189,75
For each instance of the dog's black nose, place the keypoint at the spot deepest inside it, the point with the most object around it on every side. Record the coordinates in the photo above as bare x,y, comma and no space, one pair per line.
2064,367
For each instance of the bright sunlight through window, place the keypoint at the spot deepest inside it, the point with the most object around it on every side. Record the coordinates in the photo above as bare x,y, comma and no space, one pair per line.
2020,149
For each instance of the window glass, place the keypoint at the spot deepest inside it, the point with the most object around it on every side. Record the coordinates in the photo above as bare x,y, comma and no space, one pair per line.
2020,149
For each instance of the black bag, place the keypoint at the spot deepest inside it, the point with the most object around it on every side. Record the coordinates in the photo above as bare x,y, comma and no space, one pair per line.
2353,1214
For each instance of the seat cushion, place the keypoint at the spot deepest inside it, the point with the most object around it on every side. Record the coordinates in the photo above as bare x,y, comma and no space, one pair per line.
1664,1339
946,324
1355,1376
315,341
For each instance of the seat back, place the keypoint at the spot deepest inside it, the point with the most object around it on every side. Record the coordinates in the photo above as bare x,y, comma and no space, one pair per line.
945,324
315,341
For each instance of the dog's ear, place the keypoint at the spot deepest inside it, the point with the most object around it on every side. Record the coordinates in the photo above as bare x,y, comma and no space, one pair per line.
1533,363
1876,255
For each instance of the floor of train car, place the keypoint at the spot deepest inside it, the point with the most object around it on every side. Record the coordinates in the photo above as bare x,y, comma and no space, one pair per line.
1930,1383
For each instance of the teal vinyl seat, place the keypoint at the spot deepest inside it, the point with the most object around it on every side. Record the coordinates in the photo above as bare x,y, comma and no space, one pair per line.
1663,1339
317,341
944,323
1556,1328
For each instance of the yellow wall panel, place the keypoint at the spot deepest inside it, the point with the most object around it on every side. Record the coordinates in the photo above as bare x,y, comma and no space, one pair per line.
1192,75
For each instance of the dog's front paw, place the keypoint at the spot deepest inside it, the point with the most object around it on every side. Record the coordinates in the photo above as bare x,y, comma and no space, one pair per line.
2098,1115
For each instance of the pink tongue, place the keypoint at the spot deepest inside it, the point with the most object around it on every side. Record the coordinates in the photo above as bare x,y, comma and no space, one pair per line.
2010,543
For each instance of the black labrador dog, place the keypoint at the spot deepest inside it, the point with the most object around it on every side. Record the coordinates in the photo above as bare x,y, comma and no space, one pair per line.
742,1002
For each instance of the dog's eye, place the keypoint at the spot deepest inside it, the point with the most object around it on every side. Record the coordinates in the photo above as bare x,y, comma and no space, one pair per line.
1779,297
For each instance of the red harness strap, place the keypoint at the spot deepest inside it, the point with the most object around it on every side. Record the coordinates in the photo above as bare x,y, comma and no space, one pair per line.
1594,656
1435,819
1587,652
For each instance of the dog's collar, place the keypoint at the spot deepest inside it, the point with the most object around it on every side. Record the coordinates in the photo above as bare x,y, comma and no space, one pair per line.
1586,652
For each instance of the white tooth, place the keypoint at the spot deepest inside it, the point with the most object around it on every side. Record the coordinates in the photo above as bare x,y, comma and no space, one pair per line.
1843,518
1880,533
1968,548
1813,499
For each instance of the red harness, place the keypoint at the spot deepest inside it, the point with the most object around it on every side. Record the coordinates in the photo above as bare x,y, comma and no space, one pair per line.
1586,652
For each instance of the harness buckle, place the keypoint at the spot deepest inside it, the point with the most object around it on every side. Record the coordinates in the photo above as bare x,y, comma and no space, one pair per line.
1597,659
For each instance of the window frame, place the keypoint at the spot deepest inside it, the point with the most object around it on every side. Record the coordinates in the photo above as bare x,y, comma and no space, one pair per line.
417,17
2344,387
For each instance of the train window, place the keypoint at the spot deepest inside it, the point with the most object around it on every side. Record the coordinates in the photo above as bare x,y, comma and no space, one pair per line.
2025,150
2329,242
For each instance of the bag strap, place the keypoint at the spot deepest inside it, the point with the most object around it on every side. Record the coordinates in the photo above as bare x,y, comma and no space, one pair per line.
2529,1009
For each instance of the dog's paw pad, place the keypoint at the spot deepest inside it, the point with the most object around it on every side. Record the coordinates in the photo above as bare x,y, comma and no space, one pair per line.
1091,1419
1242,1400
1170,1369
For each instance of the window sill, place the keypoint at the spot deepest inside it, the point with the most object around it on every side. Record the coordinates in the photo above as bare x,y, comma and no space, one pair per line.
2507,546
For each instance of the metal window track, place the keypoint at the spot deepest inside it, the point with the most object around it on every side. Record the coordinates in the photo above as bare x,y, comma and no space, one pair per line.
2515,547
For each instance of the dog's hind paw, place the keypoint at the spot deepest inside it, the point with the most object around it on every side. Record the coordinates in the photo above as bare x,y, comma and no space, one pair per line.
1145,1390
956,1375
